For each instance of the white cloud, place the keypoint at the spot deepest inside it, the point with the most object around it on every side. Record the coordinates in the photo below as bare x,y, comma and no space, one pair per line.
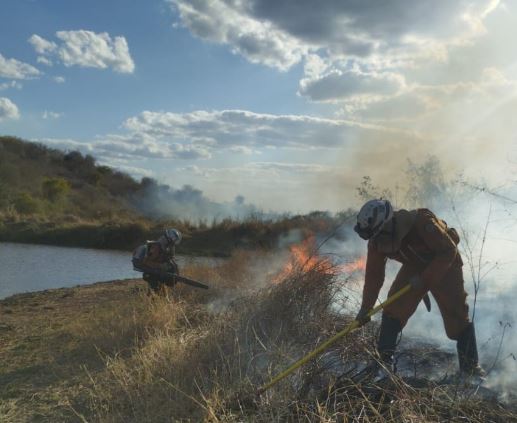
215,130
51,115
359,51
42,46
14,69
59,79
293,168
44,60
125,146
137,172
406,106
67,144
8,110
342,84
202,135
10,84
131,146
265,170
86,49
189,152
428,103
225,22
242,149
280,34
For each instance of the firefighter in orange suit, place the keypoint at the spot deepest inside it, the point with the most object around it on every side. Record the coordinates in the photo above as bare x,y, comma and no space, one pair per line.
156,259
427,249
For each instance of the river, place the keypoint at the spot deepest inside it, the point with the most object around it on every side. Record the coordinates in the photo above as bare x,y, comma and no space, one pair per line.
28,267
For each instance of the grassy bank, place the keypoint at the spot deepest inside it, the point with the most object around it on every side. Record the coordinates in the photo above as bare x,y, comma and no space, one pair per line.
219,238
110,353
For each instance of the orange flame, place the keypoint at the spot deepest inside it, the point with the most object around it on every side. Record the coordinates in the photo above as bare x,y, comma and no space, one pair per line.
303,258
358,265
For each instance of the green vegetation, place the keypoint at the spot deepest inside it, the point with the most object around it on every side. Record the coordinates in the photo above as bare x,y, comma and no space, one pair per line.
109,353
217,239
55,189
64,198
25,204
51,184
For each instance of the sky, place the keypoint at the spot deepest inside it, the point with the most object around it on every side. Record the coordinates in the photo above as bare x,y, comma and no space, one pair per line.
288,103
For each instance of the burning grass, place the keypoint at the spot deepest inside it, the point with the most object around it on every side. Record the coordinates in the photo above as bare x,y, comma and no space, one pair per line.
305,257
200,356
211,370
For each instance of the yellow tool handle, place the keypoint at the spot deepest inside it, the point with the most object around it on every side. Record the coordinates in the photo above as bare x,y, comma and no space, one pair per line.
354,325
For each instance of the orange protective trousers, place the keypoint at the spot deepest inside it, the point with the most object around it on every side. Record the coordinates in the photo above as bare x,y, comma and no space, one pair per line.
449,294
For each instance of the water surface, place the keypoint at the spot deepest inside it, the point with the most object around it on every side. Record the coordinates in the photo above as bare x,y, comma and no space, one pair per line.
28,267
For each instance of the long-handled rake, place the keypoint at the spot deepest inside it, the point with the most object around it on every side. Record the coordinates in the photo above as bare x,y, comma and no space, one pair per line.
354,325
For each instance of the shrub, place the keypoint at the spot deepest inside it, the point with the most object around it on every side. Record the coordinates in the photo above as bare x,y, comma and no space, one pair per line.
55,189
24,203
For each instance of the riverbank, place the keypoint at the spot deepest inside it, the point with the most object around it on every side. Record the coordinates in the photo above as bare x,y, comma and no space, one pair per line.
50,340
107,352
55,345
110,235
218,239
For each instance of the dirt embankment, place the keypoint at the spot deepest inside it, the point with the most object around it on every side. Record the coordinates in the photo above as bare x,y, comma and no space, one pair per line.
108,352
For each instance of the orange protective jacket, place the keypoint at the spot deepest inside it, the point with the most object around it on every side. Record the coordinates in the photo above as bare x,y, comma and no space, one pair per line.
153,256
429,246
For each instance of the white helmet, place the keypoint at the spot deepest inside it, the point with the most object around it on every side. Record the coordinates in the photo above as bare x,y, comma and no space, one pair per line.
173,236
372,216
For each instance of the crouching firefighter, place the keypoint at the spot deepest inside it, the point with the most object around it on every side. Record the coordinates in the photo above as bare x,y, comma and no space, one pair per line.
427,249
156,260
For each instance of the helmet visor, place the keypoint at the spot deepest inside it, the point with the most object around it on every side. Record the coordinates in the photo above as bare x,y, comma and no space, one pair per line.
364,233
368,232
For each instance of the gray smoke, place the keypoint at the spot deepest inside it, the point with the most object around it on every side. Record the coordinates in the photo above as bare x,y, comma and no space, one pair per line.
190,203
486,220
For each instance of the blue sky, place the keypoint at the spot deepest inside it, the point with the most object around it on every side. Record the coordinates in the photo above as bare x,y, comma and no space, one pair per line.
283,103
170,69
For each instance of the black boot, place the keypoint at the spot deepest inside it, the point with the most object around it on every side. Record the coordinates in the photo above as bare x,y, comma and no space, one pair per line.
387,343
468,353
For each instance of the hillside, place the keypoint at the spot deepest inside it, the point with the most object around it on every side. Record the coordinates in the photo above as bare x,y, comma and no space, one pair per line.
37,180
64,198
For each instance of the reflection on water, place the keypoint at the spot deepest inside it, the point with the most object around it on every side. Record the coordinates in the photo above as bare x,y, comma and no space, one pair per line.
27,267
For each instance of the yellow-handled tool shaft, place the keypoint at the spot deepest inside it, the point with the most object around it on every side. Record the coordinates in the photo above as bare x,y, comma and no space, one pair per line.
354,325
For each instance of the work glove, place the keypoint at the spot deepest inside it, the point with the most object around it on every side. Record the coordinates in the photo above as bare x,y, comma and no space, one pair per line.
416,282
362,317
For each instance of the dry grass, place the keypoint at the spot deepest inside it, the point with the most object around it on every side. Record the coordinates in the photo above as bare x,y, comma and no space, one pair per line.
200,356
48,339
204,366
